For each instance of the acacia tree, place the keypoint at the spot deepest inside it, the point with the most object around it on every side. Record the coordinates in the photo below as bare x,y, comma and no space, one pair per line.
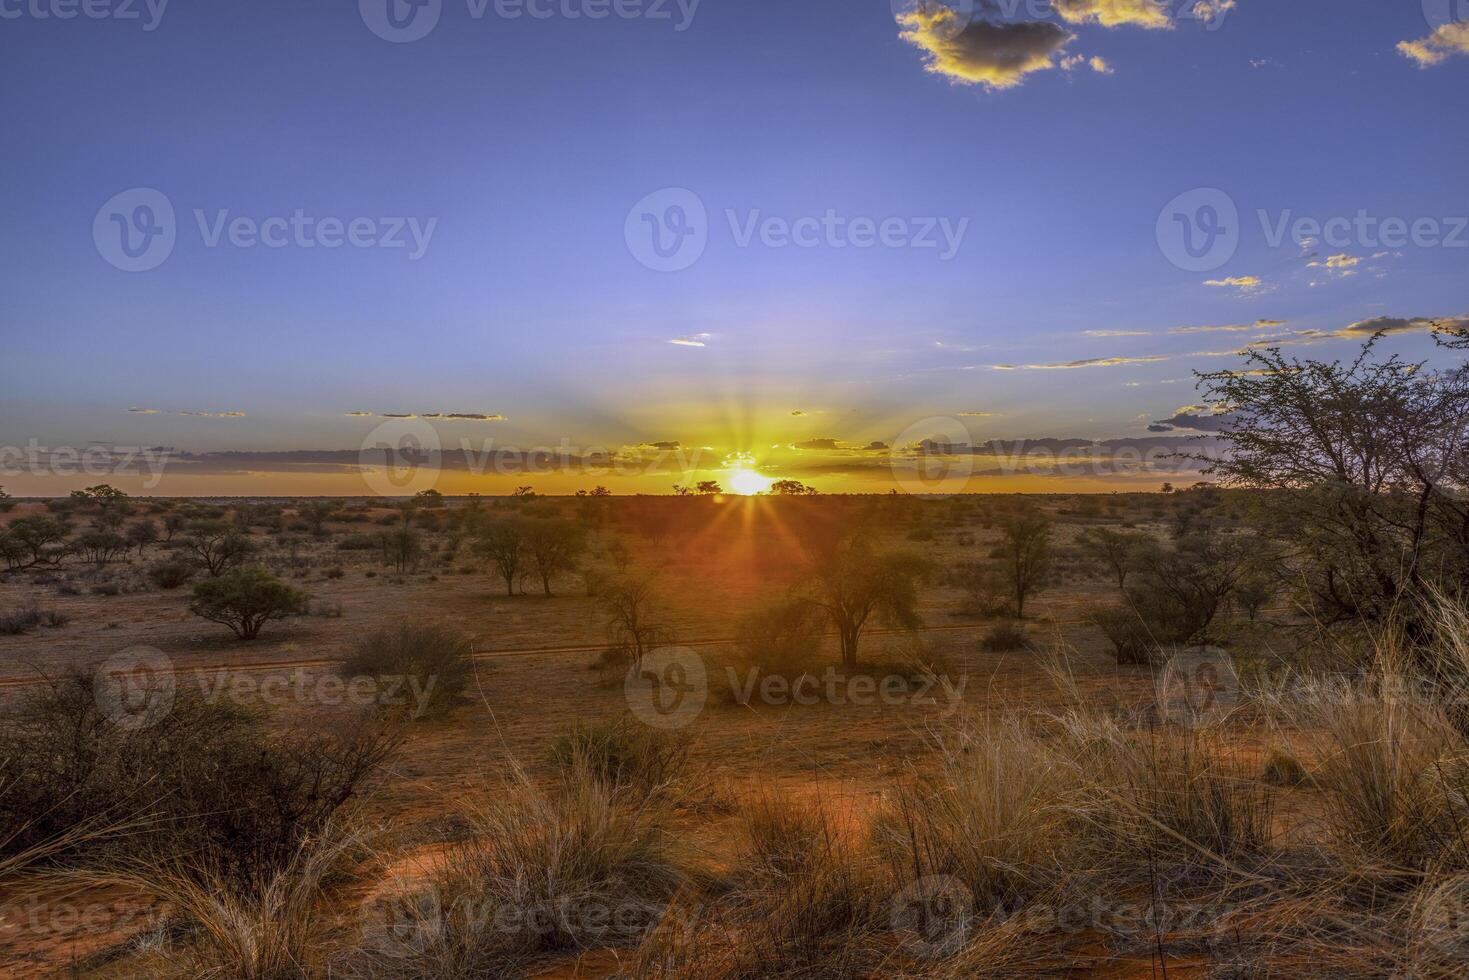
32,541
1119,550
217,546
552,547
245,599
1025,555
853,582
1365,464
631,603
503,543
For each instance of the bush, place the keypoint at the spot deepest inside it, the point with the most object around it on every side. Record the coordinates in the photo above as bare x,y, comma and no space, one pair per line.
1132,641
567,868
623,754
433,663
204,779
170,574
19,621
1003,638
245,599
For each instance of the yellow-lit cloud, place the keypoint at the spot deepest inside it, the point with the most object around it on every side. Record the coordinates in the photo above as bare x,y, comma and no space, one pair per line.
1090,362
693,340
1152,14
1245,284
1445,41
982,52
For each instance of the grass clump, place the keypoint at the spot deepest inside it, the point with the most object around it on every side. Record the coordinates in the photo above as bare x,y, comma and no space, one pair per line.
428,666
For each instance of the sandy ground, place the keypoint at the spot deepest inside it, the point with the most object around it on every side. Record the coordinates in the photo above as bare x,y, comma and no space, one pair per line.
845,754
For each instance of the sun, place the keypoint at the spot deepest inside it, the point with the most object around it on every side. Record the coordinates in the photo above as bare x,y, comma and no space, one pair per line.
747,483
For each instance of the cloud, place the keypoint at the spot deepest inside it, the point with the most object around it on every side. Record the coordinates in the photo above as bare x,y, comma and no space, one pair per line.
1395,324
465,417
976,415
668,444
1226,328
1090,362
1117,333
1151,14
1097,64
798,414
1338,266
997,56
693,340
1245,284
436,416
197,415
1196,418
826,444
1438,47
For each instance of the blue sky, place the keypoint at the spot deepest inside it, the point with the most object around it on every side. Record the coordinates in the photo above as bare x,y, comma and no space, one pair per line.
526,141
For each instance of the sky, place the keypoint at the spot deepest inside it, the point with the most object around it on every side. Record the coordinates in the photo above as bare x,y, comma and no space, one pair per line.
798,237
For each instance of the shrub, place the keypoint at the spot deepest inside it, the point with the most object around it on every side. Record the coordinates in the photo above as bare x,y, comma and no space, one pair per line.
432,662
19,621
1283,769
546,870
1003,638
623,754
205,778
782,638
1132,641
245,599
170,574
